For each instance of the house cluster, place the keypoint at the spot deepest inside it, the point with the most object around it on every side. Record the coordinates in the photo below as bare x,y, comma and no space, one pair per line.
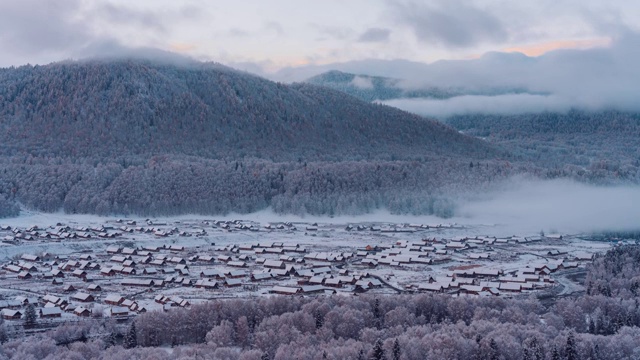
395,228
488,281
129,274
79,304
14,235
403,253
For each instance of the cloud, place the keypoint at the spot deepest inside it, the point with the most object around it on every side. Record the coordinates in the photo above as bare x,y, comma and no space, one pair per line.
599,78
239,33
121,15
375,35
332,32
274,27
111,49
475,104
32,27
557,205
510,104
450,23
542,48
362,82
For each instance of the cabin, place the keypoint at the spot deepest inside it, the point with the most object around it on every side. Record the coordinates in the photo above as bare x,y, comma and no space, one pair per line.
138,282
471,289
29,257
119,311
113,299
79,273
107,272
50,312
25,300
161,299
176,260
82,311
510,287
212,273
260,276
9,314
50,298
333,282
94,287
236,274
285,290
157,262
13,268
129,251
205,258
24,275
206,284
274,264
150,271
237,264
55,273
68,288
232,282
113,249
83,297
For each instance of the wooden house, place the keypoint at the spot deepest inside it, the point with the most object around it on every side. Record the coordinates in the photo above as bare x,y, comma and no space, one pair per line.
9,314
50,312
83,297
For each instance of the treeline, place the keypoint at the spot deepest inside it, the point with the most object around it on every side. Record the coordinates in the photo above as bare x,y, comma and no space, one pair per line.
177,185
616,274
374,327
173,185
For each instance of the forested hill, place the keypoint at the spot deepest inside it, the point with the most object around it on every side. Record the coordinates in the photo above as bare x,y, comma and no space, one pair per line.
136,107
604,142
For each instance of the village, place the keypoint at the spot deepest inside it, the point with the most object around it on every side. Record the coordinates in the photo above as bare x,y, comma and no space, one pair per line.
121,268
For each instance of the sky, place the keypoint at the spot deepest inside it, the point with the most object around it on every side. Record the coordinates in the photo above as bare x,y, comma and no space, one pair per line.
565,54
274,34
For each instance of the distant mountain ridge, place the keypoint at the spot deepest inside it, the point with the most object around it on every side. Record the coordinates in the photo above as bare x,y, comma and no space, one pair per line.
371,88
109,108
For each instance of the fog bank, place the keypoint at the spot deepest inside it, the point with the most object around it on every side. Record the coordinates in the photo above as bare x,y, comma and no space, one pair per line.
557,206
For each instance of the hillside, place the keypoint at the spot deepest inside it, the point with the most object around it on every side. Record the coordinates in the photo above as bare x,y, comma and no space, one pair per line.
135,107
604,143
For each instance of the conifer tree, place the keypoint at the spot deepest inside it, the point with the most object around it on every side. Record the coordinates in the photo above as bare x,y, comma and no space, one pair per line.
30,316
396,350
131,339
378,351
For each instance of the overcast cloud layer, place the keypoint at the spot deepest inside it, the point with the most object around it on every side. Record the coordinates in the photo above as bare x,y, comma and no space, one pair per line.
278,33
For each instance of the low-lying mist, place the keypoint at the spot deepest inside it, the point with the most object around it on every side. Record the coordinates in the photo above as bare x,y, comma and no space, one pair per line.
510,104
515,206
556,206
